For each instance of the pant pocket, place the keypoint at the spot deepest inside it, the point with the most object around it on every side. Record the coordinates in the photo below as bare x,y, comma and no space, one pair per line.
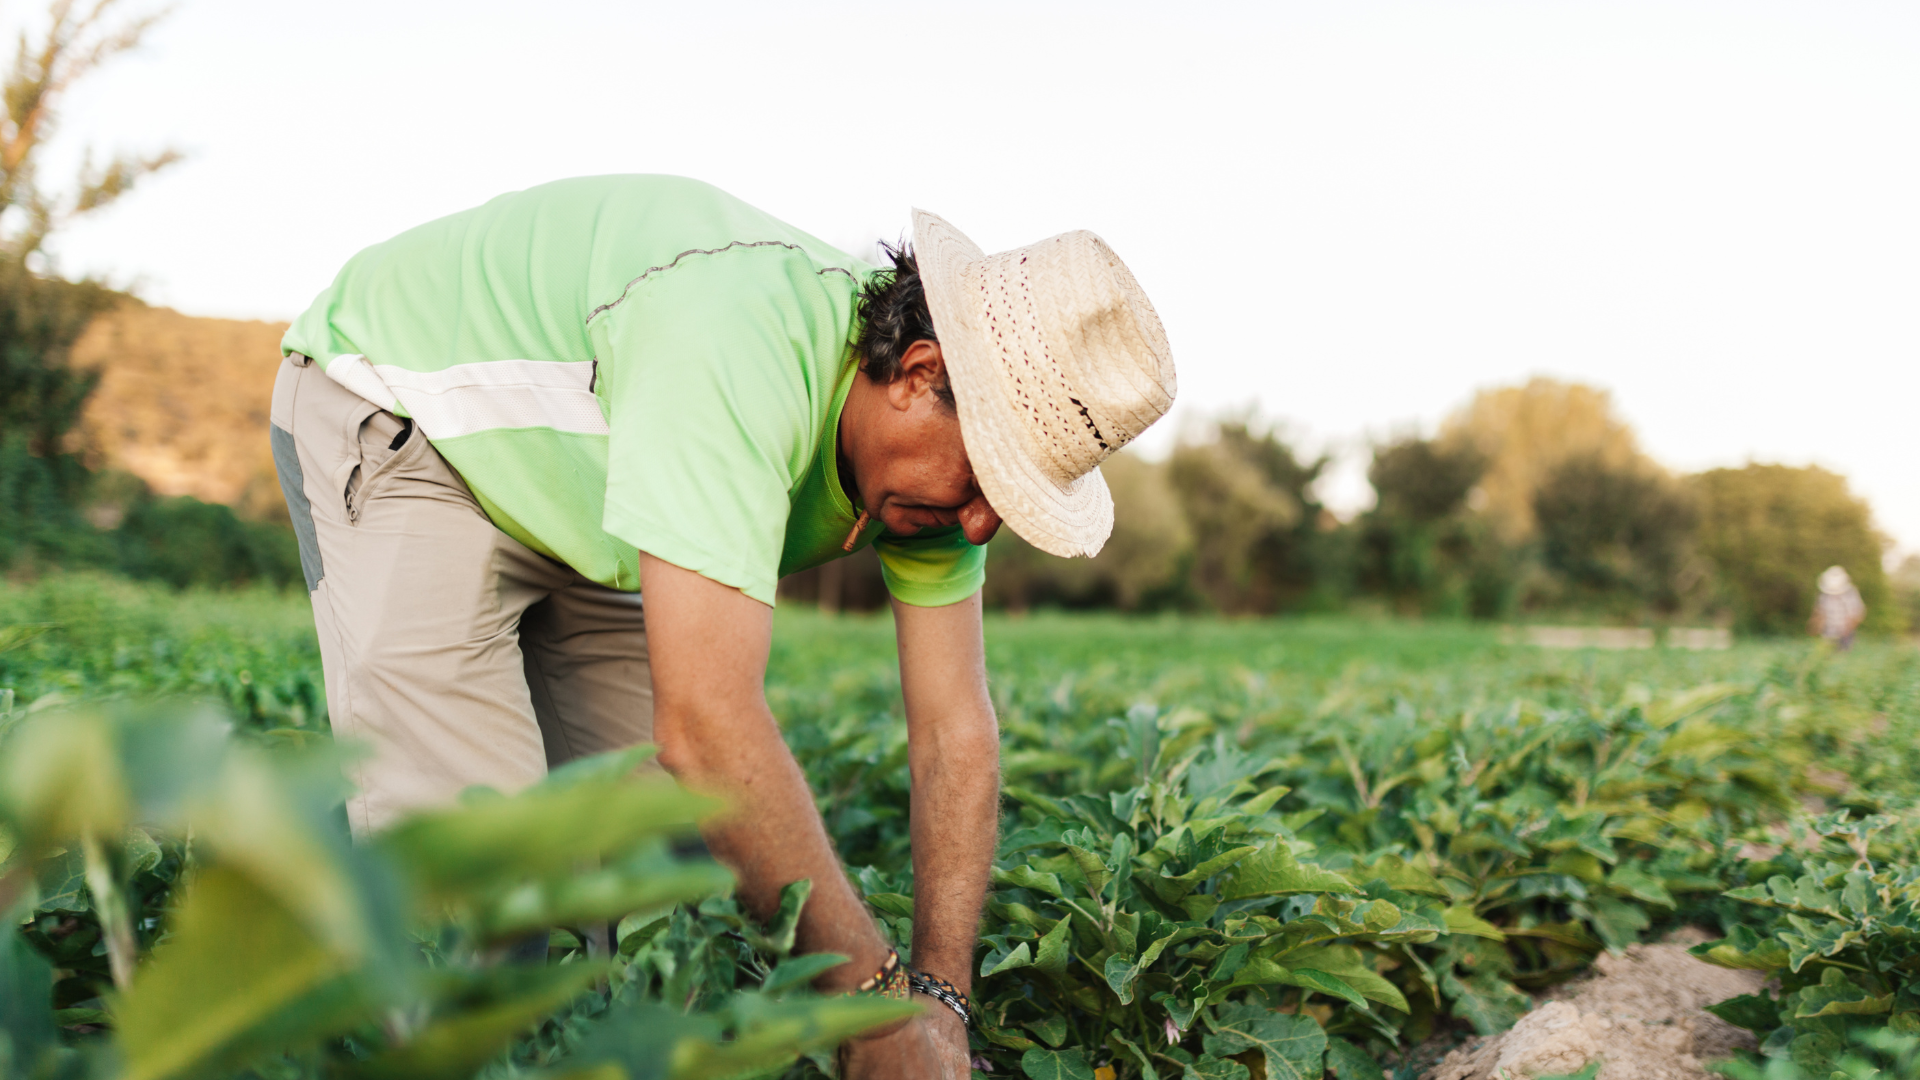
383,439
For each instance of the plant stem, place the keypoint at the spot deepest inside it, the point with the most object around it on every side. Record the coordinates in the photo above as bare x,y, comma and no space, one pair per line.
110,903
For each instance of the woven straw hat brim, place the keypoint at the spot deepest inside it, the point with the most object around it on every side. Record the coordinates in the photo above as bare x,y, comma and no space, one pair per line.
1068,518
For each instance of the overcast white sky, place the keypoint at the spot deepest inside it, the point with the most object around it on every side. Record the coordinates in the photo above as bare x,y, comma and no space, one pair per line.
1356,213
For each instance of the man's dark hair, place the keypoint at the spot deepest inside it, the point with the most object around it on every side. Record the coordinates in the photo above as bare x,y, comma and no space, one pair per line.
893,314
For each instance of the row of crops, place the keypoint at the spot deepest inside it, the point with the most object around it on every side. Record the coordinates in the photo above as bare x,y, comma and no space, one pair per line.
1230,851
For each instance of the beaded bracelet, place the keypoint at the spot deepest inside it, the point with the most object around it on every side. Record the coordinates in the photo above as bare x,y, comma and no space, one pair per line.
943,992
888,982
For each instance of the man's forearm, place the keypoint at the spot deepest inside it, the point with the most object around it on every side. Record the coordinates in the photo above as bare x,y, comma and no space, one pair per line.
771,833
956,821
953,750
709,649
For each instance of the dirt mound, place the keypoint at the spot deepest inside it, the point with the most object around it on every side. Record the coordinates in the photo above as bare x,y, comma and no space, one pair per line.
1641,1015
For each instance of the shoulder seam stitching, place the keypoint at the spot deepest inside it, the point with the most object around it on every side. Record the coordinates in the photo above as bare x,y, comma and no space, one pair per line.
595,313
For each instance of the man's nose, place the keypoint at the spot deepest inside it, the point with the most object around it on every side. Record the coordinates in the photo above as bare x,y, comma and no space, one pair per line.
979,521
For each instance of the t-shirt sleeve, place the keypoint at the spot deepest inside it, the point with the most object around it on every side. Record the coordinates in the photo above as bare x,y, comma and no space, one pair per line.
711,409
933,567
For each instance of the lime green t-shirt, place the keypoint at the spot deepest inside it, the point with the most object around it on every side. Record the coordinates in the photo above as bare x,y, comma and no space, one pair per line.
629,363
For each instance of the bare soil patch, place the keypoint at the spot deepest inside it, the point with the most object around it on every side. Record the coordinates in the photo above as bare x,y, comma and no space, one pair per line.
1642,1015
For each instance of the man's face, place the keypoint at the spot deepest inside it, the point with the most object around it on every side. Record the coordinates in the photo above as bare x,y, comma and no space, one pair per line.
906,455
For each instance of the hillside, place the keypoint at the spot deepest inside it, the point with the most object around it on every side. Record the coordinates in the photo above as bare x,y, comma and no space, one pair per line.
182,404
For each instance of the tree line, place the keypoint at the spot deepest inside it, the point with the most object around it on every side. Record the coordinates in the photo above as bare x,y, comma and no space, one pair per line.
1530,500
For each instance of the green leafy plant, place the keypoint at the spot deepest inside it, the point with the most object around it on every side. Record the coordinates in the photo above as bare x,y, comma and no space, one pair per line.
1168,927
1554,833
236,931
1842,942
1547,804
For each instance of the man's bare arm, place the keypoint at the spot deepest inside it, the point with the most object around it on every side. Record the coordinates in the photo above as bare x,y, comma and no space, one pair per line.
954,752
708,645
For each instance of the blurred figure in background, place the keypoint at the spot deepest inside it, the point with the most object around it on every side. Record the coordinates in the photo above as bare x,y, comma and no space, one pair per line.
1838,610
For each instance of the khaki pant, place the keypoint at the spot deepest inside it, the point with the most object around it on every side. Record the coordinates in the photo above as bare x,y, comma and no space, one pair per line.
454,652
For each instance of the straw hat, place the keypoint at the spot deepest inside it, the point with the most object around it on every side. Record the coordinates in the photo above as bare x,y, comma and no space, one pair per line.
1057,360
1833,580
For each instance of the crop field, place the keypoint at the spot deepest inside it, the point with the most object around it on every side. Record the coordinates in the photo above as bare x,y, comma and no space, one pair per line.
1230,850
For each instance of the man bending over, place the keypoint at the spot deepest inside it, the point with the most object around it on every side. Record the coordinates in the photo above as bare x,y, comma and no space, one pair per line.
548,458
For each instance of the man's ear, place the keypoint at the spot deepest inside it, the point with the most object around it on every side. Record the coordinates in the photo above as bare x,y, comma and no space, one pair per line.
922,368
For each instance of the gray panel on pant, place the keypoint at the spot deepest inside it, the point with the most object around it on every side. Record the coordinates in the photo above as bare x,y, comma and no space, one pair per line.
286,462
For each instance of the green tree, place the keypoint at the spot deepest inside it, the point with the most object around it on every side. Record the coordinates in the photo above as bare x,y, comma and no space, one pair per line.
1143,564
1229,522
1522,433
1906,590
1421,547
1770,530
1257,525
1305,564
1618,536
41,394
42,479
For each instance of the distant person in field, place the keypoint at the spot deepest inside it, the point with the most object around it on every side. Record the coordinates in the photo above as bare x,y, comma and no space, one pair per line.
548,458
1838,610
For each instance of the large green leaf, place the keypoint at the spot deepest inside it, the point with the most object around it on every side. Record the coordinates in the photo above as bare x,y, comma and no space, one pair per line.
1170,888
1485,1000
1755,1012
800,970
271,818
648,881
1120,973
1208,1067
26,1003
1051,1029
1020,956
1633,879
62,882
1618,922
542,832
768,1033
1056,948
1043,1064
778,937
1350,965
66,772
481,1022
1839,996
1461,920
1273,871
1745,949
1141,1059
640,1040
61,776
241,975
1402,876
1348,1062
1294,1046
1321,982
1026,877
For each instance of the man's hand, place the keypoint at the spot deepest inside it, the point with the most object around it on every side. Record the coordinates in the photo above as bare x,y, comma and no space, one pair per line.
905,1053
949,1038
